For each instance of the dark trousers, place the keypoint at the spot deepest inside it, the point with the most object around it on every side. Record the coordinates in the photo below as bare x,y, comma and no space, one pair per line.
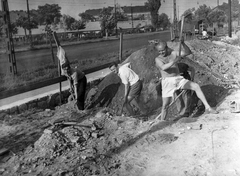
82,84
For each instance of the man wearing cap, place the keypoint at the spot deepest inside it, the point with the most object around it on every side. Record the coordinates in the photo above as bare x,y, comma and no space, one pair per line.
133,86
77,82
166,62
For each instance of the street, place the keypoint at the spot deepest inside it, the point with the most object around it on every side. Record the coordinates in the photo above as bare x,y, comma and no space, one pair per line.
38,58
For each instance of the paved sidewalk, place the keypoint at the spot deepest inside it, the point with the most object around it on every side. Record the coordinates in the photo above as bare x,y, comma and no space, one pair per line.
23,98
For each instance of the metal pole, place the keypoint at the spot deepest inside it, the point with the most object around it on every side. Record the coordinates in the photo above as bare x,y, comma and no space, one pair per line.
132,15
115,17
120,49
175,24
60,83
30,32
9,39
230,19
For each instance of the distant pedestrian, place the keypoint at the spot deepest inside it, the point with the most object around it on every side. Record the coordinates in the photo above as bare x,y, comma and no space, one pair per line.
77,82
133,86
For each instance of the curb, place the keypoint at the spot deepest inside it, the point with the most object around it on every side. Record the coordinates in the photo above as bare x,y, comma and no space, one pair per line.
49,101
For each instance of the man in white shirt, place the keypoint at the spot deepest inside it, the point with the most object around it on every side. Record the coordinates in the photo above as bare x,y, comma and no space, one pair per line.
204,33
133,86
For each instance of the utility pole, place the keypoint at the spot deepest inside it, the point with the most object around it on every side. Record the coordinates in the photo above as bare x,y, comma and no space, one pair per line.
9,39
238,15
175,24
30,32
230,19
115,10
132,15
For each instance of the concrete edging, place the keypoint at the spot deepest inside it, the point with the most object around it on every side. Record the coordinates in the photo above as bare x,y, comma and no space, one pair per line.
47,102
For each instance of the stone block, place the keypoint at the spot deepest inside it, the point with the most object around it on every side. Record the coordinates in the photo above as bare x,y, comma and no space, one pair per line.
45,99
32,104
52,100
42,104
2,115
13,110
22,108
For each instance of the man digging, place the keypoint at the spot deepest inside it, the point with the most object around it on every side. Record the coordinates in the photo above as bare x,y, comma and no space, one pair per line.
133,86
77,82
166,62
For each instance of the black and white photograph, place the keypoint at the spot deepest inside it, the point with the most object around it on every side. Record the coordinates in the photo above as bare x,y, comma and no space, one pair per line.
119,88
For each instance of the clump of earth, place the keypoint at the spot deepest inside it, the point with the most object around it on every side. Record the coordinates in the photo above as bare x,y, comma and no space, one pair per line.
99,141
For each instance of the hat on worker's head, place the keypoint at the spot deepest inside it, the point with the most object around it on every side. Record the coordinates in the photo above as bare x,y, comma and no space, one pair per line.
65,65
161,45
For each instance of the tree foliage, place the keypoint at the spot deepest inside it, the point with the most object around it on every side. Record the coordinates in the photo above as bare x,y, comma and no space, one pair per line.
78,24
189,13
163,21
202,13
48,12
107,20
68,21
85,17
153,6
217,15
22,21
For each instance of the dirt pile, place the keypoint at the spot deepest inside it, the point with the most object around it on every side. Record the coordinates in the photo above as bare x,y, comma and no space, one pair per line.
87,148
97,142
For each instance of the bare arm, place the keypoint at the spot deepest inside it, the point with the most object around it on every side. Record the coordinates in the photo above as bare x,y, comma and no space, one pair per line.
192,72
126,92
166,66
185,51
75,91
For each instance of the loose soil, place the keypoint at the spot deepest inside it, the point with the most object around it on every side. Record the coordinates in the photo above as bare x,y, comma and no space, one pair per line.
101,142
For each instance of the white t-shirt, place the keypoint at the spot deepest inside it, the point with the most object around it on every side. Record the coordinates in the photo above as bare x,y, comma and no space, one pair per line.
127,75
204,33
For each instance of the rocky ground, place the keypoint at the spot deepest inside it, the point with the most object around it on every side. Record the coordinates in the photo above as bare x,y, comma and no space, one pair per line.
99,141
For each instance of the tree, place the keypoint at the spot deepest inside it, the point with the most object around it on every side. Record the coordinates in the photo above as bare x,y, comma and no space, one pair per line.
163,21
202,14
68,21
86,17
235,9
153,6
23,22
190,15
107,20
77,25
48,12
13,28
217,16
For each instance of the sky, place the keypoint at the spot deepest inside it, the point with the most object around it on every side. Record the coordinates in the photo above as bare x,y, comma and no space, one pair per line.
74,7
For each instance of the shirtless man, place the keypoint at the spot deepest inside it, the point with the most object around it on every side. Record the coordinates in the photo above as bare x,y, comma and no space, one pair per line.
166,62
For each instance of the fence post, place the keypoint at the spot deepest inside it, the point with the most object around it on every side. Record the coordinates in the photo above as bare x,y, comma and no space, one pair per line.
120,48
